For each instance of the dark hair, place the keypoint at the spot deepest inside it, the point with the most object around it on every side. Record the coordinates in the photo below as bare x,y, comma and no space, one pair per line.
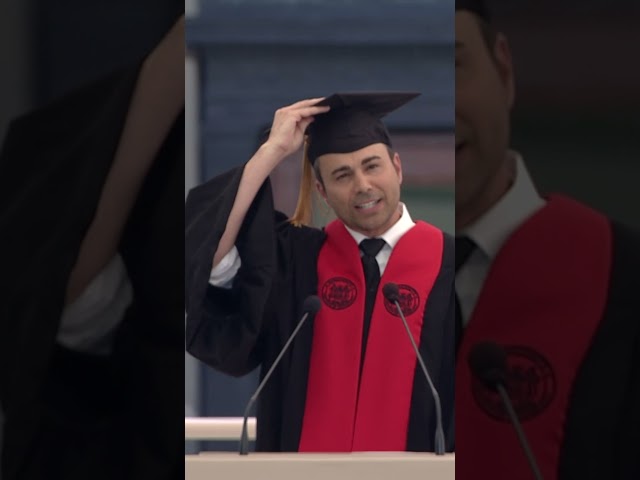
316,166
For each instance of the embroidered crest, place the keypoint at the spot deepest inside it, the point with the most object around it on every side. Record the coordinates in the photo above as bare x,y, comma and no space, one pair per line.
531,386
339,293
409,301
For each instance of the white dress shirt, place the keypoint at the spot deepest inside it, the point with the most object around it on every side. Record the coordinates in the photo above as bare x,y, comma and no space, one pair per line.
88,323
224,273
491,231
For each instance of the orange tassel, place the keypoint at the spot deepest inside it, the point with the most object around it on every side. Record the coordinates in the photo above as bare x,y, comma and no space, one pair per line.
304,209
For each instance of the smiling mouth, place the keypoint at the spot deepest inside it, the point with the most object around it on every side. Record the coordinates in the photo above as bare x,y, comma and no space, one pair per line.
368,205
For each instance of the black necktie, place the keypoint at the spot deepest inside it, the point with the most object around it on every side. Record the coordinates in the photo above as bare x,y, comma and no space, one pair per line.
370,248
464,249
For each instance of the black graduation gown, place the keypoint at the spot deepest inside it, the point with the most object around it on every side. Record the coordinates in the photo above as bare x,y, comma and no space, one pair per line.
69,414
239,329
602,431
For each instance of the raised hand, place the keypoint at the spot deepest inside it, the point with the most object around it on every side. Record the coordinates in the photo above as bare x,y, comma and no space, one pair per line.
290,123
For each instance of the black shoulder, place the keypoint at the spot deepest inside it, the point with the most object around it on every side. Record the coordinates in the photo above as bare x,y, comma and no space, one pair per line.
305,235
214,188
625,265
626,243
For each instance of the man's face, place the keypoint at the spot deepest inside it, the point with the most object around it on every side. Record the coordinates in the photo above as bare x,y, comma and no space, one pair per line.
484,96
363,188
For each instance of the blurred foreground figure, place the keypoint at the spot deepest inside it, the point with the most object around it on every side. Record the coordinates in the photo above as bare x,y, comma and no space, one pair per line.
91,304
548,279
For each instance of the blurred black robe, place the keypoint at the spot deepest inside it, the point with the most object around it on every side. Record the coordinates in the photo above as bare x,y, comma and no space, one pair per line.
69,414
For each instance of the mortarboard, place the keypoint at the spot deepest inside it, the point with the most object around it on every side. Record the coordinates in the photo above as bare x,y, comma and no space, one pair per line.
478,7
354,121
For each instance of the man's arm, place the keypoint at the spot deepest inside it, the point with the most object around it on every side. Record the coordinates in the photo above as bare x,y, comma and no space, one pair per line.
157,100
287,134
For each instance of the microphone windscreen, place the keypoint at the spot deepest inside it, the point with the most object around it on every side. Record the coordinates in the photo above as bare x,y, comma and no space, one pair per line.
488,362
311,305
391,292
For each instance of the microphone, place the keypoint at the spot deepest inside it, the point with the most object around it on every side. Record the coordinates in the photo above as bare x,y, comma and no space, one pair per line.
310,307
392,293
488,363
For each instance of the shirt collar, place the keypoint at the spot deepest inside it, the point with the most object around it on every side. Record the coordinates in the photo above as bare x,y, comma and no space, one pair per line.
520,202
394,234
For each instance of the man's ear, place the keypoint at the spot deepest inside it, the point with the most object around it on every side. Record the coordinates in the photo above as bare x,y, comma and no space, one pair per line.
397,165
504,63
321,190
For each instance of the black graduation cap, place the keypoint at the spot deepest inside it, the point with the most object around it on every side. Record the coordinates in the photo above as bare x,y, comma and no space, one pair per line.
353,122
478,7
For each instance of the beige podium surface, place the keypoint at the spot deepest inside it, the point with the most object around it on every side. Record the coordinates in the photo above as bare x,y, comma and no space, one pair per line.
217,428
320,466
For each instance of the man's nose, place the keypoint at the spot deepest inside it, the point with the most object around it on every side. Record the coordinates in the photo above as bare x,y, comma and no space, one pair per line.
362,183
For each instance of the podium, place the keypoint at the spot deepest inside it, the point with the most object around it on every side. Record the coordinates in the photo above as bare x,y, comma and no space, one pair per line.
320,466
304,466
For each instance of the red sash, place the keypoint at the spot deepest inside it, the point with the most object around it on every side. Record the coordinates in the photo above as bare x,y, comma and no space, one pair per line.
337,417
543,299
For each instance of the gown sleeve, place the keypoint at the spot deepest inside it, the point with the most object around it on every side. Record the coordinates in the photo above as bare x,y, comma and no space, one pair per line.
227,328
53,165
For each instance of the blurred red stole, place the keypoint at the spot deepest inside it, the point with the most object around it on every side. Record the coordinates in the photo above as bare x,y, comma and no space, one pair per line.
543,299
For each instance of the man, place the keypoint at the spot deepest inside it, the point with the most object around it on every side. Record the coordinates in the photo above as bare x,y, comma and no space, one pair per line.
350,381
547,278
91,351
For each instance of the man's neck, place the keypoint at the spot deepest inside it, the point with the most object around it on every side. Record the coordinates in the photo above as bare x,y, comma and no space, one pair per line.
501,183
393,235
382,230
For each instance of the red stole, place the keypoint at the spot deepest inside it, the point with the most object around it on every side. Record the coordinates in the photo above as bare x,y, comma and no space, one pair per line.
543,300
338,417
